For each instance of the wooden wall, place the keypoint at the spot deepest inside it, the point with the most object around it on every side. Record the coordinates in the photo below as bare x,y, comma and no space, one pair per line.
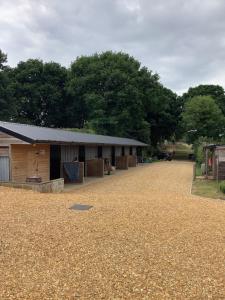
91,152
118,151
4,151
29,160
221,171
122,162
95,167
6,140
127,150
132,161
106,152
69,152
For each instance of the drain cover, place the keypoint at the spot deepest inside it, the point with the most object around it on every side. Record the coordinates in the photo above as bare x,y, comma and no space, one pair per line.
81,207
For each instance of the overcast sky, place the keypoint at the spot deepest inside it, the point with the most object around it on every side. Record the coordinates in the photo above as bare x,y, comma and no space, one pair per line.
182,40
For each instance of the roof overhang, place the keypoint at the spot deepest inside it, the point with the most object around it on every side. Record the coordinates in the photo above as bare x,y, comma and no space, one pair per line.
17,135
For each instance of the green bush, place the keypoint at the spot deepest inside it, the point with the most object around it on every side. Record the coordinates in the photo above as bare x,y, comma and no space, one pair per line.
198,171
222,187
199,154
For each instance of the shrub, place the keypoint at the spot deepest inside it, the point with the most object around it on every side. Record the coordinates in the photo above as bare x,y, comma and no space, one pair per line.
222,187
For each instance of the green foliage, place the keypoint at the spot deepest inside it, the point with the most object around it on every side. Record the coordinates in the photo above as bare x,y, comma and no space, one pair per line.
215,91
3,60
199,154
202,117
198,149
39,92
198,171
163,109
115,96
7,106
222,187
108,95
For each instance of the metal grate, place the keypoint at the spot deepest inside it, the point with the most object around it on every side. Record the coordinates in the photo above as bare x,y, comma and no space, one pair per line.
80,207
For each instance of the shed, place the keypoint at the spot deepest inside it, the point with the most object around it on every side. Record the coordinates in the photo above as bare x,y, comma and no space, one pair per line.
215,161
33,151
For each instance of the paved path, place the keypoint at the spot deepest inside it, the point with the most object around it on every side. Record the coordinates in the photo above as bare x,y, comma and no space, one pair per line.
145,238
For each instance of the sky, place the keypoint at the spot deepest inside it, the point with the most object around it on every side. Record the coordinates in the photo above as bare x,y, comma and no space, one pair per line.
181,40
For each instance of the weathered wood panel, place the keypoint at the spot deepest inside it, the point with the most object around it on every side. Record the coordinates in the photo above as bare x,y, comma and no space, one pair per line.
69,153
122,162
221,171
106,152
91,152
132,161
4,168
95,167
81,173
6,140
4,151
127,150
28,161
118,151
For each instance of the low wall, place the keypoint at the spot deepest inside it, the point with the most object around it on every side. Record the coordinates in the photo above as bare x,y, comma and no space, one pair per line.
52,186
132,161
95,167
122,162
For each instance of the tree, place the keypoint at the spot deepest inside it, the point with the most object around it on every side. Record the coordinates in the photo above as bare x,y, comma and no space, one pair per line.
7,103
40,92
106,94
215,91
203,118
163,109
3,60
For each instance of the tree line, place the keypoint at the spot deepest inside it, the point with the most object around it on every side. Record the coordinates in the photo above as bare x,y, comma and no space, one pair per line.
108,93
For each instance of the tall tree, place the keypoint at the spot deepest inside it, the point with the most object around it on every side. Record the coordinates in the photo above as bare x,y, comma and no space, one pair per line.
202,117
7,103
215,91
163,109
107,95
40,92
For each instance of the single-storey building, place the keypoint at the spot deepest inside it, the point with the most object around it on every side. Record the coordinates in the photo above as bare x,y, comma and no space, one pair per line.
215,161
29,153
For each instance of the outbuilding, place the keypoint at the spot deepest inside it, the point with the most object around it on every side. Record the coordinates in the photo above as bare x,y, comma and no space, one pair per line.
215,161
32,153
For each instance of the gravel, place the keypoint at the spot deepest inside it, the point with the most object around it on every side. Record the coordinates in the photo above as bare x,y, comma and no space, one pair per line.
146,237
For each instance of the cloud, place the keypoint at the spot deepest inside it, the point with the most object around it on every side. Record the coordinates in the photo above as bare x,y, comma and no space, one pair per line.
181,40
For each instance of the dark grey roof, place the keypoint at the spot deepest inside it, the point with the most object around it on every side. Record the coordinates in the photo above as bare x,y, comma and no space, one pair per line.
35,134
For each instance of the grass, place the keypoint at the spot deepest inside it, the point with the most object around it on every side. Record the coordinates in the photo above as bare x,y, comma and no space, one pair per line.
207,188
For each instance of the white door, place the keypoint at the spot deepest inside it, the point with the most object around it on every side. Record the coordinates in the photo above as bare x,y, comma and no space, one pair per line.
4,168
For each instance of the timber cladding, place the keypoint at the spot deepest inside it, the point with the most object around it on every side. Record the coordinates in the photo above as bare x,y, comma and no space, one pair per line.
95,167
132,161
122,162
221,171
4,151
30,160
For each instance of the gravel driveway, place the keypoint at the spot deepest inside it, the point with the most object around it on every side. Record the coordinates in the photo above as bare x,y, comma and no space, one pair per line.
146,237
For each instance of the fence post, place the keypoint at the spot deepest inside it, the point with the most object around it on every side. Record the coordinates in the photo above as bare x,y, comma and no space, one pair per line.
194,171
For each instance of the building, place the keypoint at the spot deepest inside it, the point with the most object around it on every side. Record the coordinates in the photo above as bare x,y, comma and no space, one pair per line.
215,161
30,152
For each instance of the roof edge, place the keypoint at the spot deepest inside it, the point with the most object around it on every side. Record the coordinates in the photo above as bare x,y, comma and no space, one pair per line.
17,135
